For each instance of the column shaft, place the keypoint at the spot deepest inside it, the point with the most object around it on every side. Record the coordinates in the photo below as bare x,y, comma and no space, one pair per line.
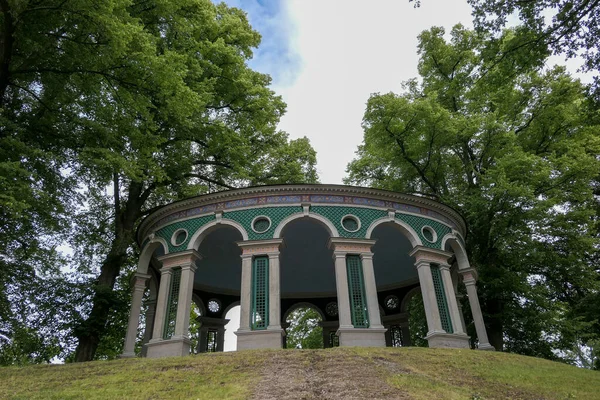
451,299
274,293
245,292
341,284
134,315
161,303
184,302
484,342
432,312
371,291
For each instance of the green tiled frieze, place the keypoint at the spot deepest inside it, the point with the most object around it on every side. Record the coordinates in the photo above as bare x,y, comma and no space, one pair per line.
190,225
417,223
335,214
275,214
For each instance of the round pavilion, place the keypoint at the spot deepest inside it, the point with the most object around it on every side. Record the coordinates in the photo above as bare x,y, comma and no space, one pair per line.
356,255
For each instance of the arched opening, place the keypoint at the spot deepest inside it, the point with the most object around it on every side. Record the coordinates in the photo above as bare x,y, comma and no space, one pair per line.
233,315
306,261
417,322
217,282
303,328
395,277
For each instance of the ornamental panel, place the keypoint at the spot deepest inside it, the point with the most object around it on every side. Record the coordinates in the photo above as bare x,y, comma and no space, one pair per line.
275,214
418,223
190,225
356,290
259,317
335,215
440,296
171,314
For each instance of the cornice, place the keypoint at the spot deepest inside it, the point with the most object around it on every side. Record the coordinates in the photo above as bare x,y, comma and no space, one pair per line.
299,189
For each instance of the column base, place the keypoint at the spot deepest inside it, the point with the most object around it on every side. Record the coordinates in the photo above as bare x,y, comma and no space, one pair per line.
174,347
361,337
486,347
265,339
448,340
127,355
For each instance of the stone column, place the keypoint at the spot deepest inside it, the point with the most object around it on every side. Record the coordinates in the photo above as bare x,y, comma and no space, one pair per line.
371,290
432,312
246,292
469,279
274,292
272,337
150,313
139,285
179,343
184,302
451,298
436,336
161,304
343,296
349,335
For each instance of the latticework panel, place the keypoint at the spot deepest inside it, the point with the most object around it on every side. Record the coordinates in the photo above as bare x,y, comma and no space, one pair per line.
190,225
395,335
417,223
171,314
275,214
356,288
440,296
260,294
335,214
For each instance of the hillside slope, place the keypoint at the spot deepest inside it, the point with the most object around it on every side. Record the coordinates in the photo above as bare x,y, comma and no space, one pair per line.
351,373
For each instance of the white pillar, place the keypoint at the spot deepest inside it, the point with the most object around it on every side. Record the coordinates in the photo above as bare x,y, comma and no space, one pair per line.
341,284
274,293
184,301
451,298
469,281
245,292
371,290
139,285
432,312
161,303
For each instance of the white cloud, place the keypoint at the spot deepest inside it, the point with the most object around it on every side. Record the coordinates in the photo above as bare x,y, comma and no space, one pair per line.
350,49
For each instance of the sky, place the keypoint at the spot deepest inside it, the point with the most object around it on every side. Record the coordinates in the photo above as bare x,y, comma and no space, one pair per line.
326,57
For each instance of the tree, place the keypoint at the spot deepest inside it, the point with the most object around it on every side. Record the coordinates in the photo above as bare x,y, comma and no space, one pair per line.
134,104
515,151
304,331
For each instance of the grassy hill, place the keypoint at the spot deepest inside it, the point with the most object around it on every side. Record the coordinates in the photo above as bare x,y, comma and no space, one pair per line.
351,373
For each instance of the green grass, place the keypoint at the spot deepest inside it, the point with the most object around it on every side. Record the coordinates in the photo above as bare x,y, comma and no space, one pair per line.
417,373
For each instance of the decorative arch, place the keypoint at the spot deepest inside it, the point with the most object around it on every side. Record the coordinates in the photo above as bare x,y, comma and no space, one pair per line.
412,292
147,252
230,307
459,250
201,233
301,304
333,232
406,230
198,301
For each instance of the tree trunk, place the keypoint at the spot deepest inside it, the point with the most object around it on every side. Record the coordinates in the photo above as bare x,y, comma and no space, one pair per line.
90,332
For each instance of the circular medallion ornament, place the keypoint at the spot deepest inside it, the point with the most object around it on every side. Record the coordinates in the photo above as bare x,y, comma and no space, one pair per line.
214,305
331,309
429,234
261,224
350,223
392,302
179,237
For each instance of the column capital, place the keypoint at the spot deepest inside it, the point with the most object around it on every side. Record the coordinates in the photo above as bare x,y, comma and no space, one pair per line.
260,247
179,259
139,280
432,256
348,245
469,276
444,267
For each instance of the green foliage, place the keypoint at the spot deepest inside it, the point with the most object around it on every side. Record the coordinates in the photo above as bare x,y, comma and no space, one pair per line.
110,109
417,322
514,149
304,331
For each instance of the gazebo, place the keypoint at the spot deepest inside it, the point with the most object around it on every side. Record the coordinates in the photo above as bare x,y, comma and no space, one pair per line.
356,255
